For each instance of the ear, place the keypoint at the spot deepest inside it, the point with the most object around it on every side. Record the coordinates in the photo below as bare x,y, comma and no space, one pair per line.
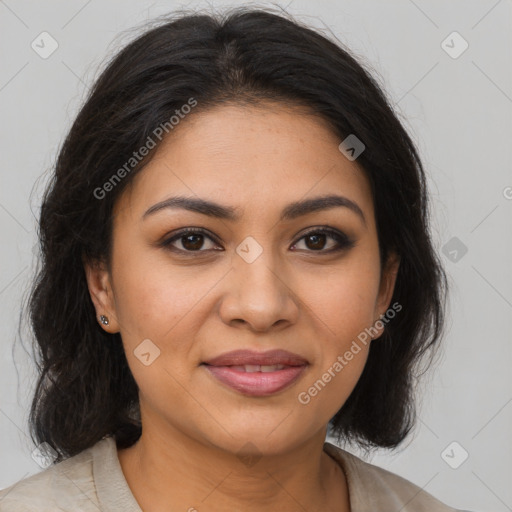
387,286
102,296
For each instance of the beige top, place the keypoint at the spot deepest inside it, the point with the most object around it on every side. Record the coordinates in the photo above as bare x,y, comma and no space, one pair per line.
93,481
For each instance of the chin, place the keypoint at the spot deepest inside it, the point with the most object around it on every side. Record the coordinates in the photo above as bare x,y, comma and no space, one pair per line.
259,440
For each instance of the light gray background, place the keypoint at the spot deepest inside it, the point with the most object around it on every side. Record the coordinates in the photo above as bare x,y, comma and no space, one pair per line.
457,110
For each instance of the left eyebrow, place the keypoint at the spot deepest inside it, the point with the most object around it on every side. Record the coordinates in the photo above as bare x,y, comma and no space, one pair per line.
290,212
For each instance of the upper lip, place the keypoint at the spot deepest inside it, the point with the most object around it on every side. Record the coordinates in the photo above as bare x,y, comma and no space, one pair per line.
246,357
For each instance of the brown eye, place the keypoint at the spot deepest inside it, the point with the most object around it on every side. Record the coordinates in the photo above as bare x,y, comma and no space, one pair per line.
316,240
191,240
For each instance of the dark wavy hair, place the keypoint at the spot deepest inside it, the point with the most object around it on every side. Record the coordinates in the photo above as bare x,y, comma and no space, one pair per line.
85,390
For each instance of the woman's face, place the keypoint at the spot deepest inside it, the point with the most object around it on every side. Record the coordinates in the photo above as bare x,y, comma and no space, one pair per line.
255,282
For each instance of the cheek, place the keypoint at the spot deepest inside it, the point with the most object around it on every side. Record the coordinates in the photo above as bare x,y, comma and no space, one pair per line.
345,302
166,306
342,305
329,387
151,296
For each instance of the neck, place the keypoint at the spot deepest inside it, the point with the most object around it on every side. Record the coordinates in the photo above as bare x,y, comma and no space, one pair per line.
178,470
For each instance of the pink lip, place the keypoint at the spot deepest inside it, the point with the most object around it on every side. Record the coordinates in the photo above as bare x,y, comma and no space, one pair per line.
256,383
270,357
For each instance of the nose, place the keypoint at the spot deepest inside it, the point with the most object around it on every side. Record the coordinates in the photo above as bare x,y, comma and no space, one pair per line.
259,294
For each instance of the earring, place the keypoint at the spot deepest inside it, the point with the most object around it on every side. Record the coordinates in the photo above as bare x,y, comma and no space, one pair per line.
104,320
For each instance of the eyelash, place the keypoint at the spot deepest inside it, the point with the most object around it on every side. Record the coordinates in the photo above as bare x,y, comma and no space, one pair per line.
344,242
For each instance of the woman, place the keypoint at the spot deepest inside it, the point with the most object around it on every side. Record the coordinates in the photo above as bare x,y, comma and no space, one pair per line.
236,261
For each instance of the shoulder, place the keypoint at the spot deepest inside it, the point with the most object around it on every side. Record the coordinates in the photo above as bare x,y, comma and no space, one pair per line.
67,485
374,488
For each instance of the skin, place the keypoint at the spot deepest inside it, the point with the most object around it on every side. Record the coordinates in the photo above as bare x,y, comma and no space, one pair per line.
294,296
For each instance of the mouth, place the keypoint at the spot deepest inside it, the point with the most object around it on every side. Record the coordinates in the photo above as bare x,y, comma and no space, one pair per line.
251,368
257,374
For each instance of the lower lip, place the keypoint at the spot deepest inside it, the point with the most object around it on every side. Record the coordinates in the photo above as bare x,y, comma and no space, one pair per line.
256,383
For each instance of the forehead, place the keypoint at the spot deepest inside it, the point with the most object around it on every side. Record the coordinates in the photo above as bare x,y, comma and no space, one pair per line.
250,158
